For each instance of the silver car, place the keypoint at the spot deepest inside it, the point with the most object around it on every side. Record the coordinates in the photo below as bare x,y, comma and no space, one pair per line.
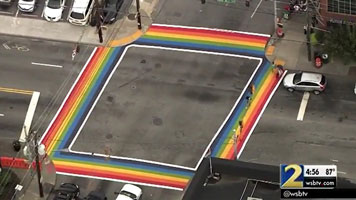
305,81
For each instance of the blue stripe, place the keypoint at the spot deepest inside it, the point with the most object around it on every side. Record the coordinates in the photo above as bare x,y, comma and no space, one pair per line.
238,109
85,105
186,45
126,163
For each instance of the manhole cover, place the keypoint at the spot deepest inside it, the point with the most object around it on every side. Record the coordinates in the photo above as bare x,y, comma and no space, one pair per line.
131,16
158,65
143,61
110,99
157,121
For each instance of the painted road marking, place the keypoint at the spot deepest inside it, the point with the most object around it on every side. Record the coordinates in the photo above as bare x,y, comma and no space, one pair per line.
341,172
48,65
303,106
2,115
167,49
17,91
260,114
256,9
6,46
29,116
6,12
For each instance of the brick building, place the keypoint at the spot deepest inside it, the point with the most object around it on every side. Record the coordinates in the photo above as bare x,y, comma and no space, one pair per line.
338,11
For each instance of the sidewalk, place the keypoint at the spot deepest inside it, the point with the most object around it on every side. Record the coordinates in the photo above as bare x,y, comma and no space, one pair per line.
292,50
121,32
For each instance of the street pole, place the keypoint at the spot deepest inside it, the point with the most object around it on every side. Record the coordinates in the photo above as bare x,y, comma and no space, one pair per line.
38,169
139,25
98,9
308,34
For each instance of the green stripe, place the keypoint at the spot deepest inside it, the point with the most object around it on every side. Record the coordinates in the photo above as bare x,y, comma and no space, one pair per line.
222,148
122,167
82,101
249,47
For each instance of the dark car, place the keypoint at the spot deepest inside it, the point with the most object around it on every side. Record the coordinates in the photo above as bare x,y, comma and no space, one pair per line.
6,3
67,191
95,195
110,10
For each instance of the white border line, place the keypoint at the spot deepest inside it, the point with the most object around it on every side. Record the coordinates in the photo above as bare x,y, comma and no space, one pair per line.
108,80
69,92
47,65
229,115
132,159
29,116
254,12
119,180
260,115
212,29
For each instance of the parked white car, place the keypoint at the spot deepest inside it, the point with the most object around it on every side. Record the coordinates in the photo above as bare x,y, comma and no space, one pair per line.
53,10
26,5
129,192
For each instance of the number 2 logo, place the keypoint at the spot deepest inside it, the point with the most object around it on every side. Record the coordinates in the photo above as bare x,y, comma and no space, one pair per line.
292,180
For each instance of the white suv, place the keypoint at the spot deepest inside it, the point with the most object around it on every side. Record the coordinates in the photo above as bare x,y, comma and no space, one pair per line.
305,81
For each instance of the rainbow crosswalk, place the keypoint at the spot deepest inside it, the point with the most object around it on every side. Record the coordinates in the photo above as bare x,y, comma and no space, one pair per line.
103,63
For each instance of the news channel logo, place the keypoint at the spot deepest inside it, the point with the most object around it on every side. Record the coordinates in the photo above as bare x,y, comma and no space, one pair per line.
292,176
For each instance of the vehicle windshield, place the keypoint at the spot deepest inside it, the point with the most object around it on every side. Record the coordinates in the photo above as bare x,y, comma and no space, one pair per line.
297,78
128,194
322,82
54,4
28,0
75,15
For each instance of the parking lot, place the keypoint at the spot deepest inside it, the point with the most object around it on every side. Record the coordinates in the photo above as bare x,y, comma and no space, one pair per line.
147,108
36,14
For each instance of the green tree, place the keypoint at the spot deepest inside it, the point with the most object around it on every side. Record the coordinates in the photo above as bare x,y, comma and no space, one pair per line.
341,42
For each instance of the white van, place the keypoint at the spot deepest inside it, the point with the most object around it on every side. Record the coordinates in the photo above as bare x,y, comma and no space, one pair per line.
80,12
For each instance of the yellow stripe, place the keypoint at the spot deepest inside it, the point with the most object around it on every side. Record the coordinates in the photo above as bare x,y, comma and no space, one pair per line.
126,40
17,91
121,171
249,111
210,39
77,101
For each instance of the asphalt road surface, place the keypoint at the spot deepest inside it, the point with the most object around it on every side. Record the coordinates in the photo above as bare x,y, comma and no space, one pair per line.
164,108
34,65
325,136
258,18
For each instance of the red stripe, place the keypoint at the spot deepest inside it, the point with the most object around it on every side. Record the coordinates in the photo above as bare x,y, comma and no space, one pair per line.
119,176
190,31
53,130
211,35
253,117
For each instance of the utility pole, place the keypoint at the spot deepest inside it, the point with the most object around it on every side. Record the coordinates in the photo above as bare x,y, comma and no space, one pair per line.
138,16
38,167
308,32
98,14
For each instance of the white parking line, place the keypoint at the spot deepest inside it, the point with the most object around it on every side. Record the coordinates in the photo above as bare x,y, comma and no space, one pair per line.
256,9
28,15
5,12
48,65
29,116
303,106
2,115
